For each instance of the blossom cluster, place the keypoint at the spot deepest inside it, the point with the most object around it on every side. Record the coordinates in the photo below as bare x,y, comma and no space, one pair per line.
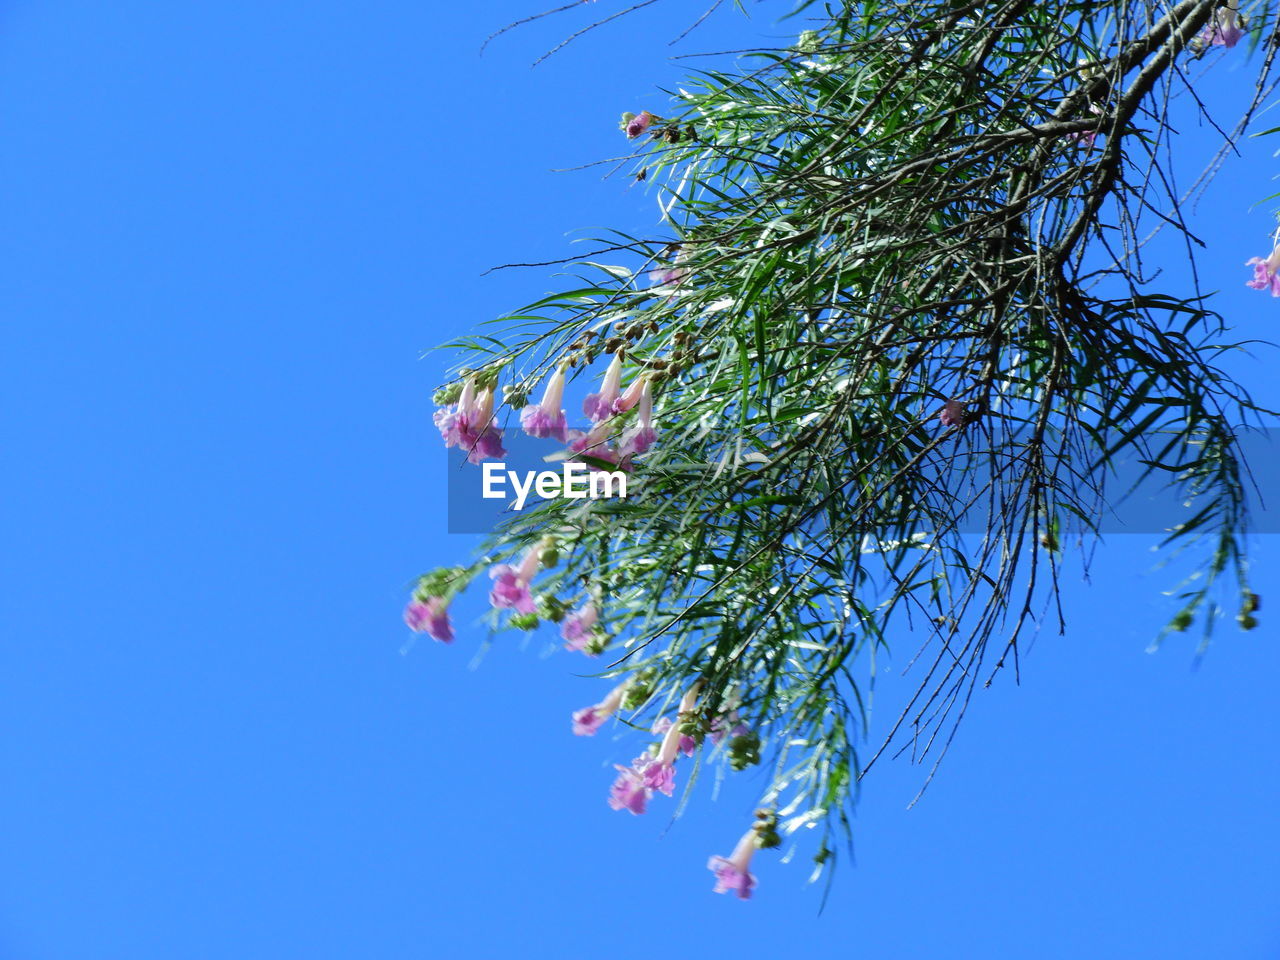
466,420
654,770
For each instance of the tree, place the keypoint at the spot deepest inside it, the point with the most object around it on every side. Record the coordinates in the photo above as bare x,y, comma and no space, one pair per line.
894,344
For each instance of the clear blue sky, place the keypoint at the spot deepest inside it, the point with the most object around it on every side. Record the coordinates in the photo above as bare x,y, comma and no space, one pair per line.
229,230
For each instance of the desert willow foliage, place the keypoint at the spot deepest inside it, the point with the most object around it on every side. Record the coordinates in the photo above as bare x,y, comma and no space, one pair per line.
880,362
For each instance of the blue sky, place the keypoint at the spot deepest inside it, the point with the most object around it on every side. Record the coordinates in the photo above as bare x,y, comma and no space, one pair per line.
230,231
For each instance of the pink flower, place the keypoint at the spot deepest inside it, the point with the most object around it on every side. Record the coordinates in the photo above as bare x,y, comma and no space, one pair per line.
631,396
652,772
601,406
511,584
430,617
589,719
1225,30
453,419
952,414
731,872
546,419
659,773
638,124
477,434
468,425
576,628
640,437
629,791
487,445
637,783
1266,273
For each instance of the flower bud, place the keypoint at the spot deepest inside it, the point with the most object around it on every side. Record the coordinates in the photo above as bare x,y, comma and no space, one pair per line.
744,751
515,396
552,608
447,394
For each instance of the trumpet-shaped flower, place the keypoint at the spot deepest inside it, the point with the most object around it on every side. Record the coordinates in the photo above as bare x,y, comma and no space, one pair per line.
601,406
576,629
511,584
451,420
652,772
659,772
430,616
732,873
547,418
1266,273
640,437
589,719
478,436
